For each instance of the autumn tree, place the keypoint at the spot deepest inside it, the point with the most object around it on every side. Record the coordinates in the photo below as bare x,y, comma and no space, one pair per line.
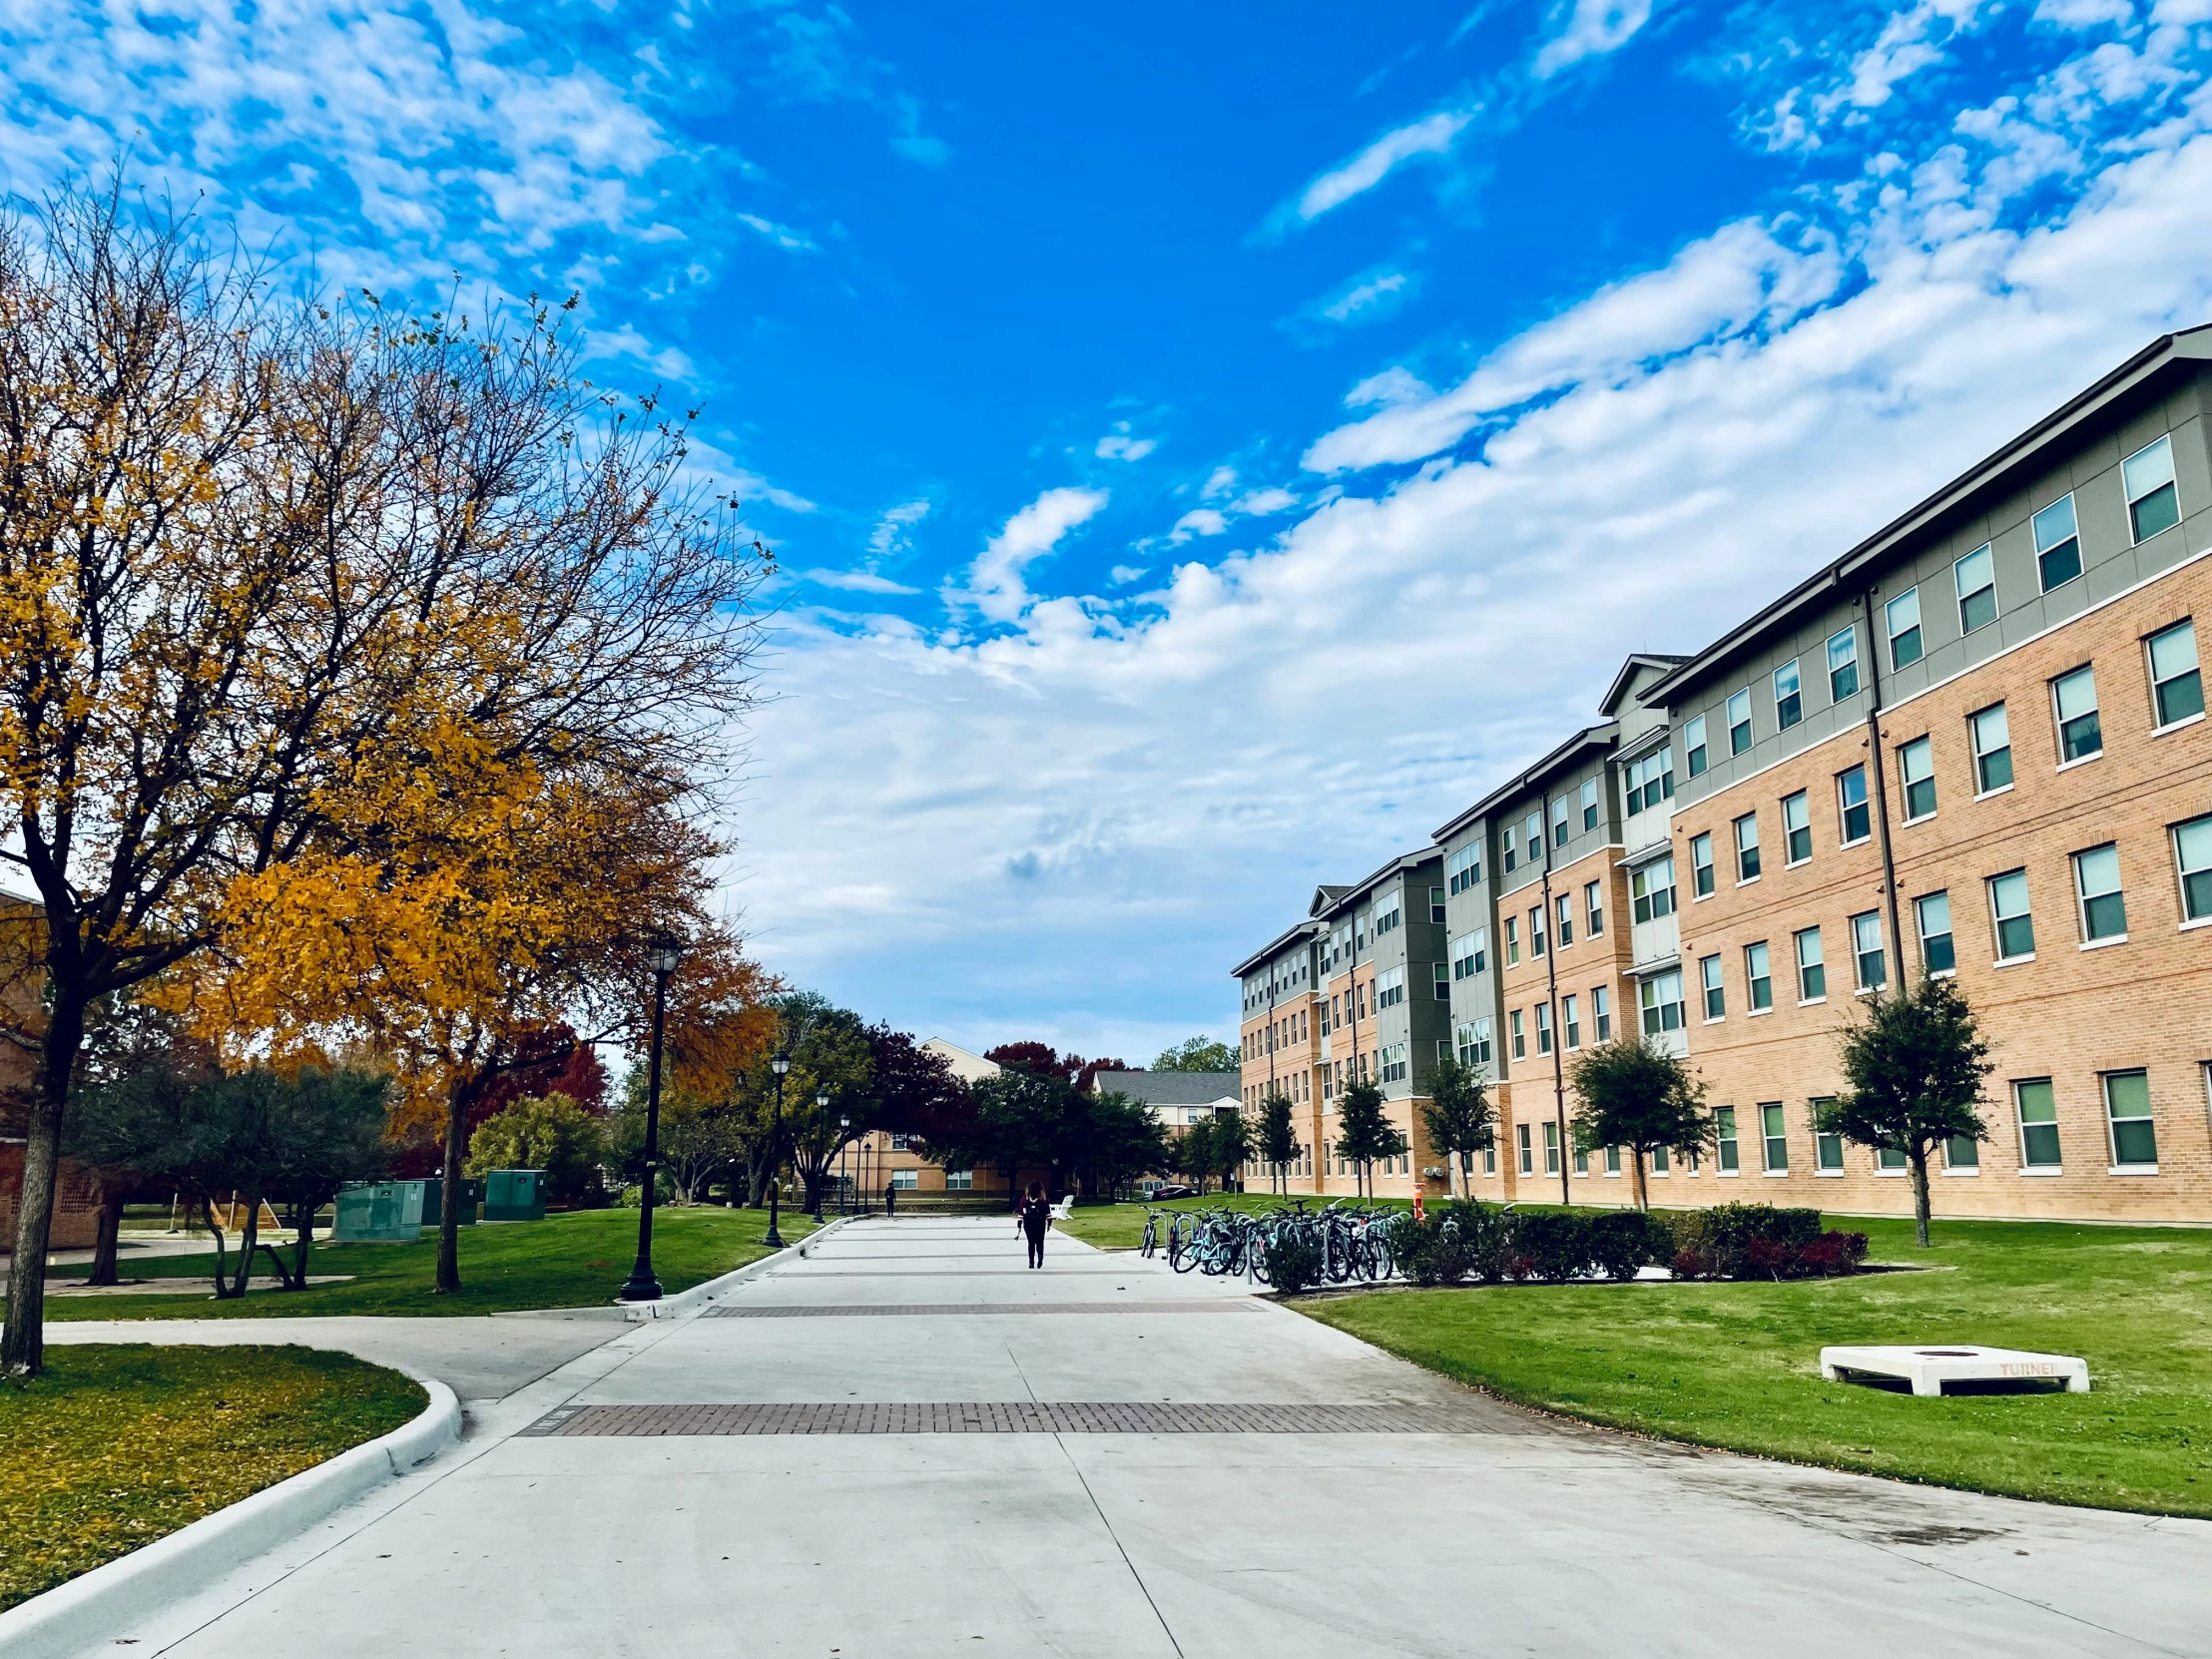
251,545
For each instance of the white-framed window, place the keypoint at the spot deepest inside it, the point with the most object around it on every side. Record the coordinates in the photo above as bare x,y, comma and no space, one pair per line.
1789,695
1527,1152
1464,869
1975,578
1797,826
1758,976
2176,688
1931,913
1514,1022
1650,781
2097,885
1851,812
1551,1147
2127,1111
904,1180
1962,1155
1388,916
2008,907
1842,665
1828,1147
1436,906
2037,1105
1513,940
1701,866
1992,749
1601,1013
1562,826
1536,930
1392,1063
1474,1044
2073,703
959,1180
2147,478
1532,836
1562,905
900,1143
1389,988
1917,771
1651,887
1444,981
1589,803
1570,1021
1903,617
1867,955
1593,908
1543,1028
1746,848
1661,999
1774,1134
2057,544
1716,996
1612,1160
1470,953
1694,756
2193,862
1812,968
1739,720
1724,1131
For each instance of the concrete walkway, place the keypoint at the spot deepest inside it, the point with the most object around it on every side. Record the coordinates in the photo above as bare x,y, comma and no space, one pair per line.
909,1444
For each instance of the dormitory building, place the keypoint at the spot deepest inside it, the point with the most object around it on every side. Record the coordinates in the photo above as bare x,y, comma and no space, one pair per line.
1972,745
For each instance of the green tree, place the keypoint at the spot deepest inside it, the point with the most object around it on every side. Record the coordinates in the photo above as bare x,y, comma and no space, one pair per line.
1194,1151
1458,1116
1364,1134
1915,1066
549,1132
1230,1147
1635,1094
1120,1138
1020,1121
1199,1053
1277,1140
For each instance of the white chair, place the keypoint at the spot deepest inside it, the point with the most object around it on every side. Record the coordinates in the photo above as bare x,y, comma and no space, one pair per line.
1064,1209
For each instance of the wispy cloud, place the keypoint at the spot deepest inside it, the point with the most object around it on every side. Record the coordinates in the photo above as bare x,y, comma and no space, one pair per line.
1433,134
1118,445
891,535
782,235
995,585
1592,29
855,581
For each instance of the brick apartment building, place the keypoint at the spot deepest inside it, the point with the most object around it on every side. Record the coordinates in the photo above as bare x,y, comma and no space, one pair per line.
1974,744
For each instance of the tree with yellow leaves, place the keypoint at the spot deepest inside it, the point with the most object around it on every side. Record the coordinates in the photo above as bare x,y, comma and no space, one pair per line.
275,576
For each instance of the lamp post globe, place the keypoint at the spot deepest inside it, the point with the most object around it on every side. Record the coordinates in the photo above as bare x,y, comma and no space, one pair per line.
781,1066
661,955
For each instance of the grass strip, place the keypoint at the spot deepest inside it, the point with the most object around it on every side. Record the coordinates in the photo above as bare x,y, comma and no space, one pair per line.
111,1447
576,1260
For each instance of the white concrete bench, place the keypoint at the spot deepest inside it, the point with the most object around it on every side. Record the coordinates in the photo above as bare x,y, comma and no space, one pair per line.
1928,1368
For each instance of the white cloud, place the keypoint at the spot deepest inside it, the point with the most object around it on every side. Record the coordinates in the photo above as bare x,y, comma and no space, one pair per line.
1118,445
889,534
994,584
1593,28
1325,701
1198,521
782,235
1122,575
855,581
1366,299
1265,504
1219,483
2084,14
1430,136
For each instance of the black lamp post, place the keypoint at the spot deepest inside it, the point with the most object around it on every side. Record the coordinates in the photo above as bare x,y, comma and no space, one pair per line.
781,1066
845,1155
640,1285
822,1104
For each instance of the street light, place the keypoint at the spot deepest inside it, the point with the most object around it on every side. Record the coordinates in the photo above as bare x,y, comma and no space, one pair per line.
661,956
844,1160
779,1065
822,1104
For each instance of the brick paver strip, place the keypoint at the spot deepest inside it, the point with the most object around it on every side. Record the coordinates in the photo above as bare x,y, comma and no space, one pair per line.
846,1309
1019,1417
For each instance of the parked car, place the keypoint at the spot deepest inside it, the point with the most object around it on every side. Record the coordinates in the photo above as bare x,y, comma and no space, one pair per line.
1174,1189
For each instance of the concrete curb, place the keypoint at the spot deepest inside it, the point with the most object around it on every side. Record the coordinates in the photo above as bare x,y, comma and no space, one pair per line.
686,1302
84,1612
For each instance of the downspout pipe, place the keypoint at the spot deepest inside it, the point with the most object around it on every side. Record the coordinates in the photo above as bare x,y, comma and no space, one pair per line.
1551,995
1881,772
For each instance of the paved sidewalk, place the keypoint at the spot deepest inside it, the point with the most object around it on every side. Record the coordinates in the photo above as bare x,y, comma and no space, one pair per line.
908,1444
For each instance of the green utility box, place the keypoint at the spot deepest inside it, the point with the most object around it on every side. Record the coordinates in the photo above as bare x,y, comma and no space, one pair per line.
434,1194
375,1212
515,1195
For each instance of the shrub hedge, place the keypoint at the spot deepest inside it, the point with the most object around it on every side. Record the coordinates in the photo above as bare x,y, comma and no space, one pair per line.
1499,1243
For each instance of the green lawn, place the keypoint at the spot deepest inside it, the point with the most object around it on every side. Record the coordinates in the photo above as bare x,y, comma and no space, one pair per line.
566,1261
1121,1226
111,1447
1737,1366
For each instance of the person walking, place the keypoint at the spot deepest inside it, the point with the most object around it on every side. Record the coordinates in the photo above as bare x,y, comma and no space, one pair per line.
890,1199
1035,1218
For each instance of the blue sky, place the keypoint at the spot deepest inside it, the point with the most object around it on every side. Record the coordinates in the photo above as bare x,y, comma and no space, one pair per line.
1206,445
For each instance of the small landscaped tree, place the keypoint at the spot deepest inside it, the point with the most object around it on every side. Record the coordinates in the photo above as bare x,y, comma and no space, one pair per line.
1194,1151
1458,1115
1636,1094
1915,1066
1232,1145
1364,1134
549,1132
1278,1137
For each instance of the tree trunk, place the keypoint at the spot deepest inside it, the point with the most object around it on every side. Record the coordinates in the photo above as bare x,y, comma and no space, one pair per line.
247,1237
457,1101
222,1258
1643,1193
23,1343
105,1245
302,1220
1919,1157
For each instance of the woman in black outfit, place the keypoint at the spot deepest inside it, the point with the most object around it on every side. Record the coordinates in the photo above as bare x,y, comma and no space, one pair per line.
1035,1218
